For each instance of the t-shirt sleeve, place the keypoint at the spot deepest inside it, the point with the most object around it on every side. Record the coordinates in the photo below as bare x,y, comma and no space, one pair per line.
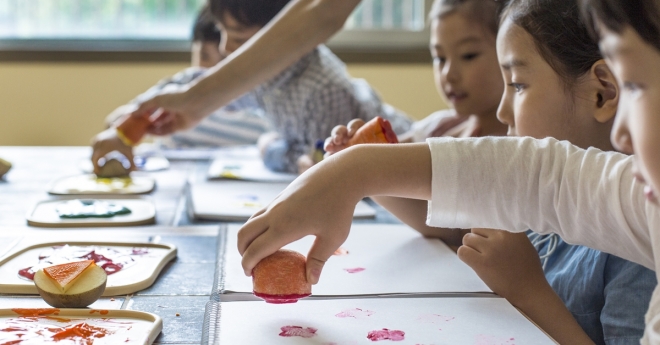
588,197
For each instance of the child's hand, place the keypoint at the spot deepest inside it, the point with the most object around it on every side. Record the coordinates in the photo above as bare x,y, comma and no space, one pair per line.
506,262
308,206
340,136
106,142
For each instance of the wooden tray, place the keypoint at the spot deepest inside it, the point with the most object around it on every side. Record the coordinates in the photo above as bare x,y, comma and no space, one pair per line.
135,326
44,214
88,185
142,163
134,278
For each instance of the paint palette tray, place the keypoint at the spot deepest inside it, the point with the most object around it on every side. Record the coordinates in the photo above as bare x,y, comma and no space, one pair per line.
464,320
89,184
246,169
237,201
55,326
376,260
131,267
44,214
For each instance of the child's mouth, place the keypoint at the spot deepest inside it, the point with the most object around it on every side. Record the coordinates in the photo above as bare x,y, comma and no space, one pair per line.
457,97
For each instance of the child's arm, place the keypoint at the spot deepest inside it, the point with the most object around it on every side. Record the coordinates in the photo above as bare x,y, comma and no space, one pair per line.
510,266
588,197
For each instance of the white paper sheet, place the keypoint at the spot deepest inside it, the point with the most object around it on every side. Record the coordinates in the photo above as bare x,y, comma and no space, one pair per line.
456,321
239,200
395,260
246,169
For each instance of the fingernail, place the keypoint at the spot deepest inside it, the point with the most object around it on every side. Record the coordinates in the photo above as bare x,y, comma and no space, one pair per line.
314,276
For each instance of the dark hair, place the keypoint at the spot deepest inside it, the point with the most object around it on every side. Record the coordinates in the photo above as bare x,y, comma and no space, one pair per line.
642,15
248,12
482,11
204,29
560,35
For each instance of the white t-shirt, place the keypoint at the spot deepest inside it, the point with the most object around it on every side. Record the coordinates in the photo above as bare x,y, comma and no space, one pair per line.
588,197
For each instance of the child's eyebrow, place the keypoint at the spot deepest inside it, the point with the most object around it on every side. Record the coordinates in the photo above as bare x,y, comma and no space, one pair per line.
513,63
469,39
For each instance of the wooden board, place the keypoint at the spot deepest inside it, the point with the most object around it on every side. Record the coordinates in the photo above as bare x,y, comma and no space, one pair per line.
44,214
246,169
148,164
238,200
123,326
89,184
139,276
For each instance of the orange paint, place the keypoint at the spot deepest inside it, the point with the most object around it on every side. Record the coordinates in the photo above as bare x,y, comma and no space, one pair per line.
81,331
102,312
36,312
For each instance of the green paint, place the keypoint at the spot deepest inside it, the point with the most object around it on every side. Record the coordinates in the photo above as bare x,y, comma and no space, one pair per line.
78,209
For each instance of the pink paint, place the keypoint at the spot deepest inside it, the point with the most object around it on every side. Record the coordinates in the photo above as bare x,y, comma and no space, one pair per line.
434,318
356,313
386,334
485,339
297,331
354,270
340,252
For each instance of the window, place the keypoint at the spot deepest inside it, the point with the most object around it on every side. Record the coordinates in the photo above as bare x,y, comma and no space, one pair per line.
166,24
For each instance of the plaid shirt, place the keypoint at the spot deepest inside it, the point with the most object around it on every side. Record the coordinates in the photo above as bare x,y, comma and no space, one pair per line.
308,99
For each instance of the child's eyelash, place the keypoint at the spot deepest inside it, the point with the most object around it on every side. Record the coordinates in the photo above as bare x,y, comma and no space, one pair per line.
517,86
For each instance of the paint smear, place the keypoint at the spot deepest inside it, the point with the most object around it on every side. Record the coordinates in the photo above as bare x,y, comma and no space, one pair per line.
356,313
340,251
354,270
434,318
386,334
484,339
297,331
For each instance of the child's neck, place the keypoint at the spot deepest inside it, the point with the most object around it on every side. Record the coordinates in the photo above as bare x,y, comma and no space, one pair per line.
490,125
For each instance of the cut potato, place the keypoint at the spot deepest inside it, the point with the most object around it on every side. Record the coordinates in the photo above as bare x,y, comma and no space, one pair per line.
82,290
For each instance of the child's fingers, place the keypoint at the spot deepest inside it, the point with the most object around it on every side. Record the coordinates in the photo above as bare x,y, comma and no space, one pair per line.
316,258
262,246
474,241
353,126
339,135
468,255
252,229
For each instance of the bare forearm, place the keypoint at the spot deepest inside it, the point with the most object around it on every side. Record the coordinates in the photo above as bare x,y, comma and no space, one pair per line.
300,27
548,311
402,170
413,213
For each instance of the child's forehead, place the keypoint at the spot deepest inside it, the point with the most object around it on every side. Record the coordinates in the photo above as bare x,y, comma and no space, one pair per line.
454,30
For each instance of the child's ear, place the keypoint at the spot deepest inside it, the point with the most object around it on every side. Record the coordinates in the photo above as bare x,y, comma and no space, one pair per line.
607,99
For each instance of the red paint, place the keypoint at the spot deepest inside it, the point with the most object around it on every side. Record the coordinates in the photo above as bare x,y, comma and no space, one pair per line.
102,312
280,299
354,270
386,334
356,313
112,262
36,312
297,331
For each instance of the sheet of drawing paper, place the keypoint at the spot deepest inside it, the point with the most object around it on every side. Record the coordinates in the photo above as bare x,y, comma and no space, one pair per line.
376,259
239,200
246,169
232,152
456,321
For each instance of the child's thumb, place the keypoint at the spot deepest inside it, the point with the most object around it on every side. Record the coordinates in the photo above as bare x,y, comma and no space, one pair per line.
316,258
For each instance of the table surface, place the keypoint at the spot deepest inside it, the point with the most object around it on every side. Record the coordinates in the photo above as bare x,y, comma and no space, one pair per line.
185,285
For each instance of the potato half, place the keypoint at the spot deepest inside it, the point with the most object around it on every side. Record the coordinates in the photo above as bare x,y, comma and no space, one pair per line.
86,289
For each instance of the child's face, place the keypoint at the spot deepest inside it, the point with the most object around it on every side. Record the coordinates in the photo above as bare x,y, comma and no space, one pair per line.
635,64
465,65
535,101
205,54
234,34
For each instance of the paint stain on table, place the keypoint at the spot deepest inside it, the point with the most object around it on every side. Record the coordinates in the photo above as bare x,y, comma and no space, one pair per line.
386,334
298,331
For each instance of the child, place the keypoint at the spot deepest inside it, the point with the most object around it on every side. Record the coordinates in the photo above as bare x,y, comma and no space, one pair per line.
304,101
581,98
467,75
228,125
588,196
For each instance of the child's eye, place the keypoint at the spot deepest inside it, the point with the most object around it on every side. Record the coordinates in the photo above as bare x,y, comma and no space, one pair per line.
441,60
470,56
518,87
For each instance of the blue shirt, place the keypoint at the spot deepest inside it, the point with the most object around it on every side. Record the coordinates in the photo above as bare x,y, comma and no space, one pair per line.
607,295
